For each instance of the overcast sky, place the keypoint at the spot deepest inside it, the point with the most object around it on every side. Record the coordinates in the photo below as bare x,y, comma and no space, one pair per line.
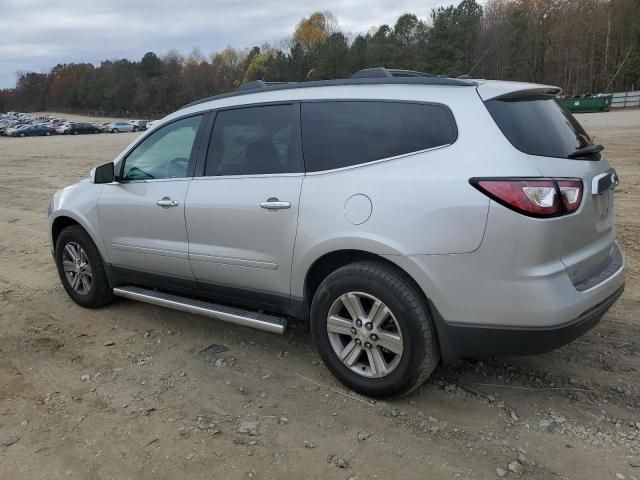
36,35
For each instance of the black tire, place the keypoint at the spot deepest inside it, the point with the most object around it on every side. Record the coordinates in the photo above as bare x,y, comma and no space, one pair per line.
76,132
100,292
115,130
21,135
47,134
421,352
135,129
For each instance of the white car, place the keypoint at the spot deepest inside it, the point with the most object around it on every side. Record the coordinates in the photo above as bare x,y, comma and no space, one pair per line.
63,128
11,130
140,124
121,126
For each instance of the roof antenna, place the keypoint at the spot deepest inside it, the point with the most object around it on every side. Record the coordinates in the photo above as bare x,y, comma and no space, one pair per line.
468,75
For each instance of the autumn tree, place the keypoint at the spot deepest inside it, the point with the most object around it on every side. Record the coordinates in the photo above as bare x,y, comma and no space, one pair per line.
315,30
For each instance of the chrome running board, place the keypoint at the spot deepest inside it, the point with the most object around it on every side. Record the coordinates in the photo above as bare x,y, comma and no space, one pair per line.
269,323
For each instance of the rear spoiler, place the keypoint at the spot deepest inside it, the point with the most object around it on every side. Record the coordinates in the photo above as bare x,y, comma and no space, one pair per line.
491,90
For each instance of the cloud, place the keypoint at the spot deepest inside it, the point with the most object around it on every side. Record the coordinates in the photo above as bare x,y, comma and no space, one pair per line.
35,37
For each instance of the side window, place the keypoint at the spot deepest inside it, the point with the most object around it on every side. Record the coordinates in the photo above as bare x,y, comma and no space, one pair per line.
165,153
254,140
340,134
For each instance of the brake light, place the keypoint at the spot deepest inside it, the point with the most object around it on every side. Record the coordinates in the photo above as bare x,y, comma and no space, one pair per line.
535,197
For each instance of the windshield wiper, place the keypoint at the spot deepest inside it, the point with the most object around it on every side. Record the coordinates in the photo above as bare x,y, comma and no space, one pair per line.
588,150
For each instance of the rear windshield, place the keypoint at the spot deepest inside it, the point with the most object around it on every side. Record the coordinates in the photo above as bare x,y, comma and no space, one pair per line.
538,126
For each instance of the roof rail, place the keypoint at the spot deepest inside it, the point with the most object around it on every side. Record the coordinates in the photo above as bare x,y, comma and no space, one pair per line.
378,72
260,86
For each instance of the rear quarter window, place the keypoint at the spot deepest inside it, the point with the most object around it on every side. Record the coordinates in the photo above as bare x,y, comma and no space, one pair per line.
338,134
538,125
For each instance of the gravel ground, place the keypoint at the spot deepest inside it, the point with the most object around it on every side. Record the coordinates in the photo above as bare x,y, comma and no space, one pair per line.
136,391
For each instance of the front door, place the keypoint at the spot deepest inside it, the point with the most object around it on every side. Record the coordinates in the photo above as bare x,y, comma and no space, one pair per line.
242,213
142,215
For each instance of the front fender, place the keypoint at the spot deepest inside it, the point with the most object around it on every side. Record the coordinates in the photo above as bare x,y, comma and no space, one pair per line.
79,202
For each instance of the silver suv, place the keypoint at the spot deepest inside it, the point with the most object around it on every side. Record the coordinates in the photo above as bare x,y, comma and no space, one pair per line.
408,218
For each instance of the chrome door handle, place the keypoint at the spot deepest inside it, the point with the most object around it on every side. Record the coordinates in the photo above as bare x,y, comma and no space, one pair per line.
166,202
275,204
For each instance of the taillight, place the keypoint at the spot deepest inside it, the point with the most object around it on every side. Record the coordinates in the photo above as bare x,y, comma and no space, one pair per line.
536,197
571,191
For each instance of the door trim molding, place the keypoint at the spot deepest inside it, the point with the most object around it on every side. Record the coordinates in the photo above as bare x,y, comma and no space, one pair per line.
150,251
236,262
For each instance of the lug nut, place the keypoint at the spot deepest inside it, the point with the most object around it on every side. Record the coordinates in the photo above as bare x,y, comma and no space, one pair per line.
367,345
368,326
353,331
358,323
358,341
374,337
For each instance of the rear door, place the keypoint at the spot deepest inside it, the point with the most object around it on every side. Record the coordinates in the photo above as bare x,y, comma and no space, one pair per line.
242,212
539,127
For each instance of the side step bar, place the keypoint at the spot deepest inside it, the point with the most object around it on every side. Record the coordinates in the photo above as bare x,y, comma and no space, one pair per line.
269,323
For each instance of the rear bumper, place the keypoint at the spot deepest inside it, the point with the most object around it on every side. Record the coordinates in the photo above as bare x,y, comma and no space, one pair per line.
488,303
466,341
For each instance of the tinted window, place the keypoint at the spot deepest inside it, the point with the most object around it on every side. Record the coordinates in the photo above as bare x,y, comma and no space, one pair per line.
340,134
165,153
255,140
538,126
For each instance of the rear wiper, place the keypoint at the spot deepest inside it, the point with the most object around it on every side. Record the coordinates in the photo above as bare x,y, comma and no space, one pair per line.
588,150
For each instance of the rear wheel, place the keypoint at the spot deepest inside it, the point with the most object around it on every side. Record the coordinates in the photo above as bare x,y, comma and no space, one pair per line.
373,329
115,130
22,135
81,269
47,134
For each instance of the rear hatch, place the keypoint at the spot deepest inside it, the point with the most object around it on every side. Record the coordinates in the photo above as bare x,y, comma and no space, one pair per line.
535,123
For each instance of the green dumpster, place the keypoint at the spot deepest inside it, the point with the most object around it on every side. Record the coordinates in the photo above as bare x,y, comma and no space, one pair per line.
601,103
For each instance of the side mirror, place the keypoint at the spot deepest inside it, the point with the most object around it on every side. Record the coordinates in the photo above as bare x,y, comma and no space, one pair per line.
102,174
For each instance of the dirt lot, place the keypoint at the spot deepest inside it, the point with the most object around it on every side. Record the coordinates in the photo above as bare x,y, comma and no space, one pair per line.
157,404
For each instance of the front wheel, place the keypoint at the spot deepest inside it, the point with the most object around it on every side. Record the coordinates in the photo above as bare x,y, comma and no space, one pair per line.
373,329
81,269
115,130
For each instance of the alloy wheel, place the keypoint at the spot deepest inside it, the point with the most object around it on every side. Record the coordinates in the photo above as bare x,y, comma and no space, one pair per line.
364,334
77,269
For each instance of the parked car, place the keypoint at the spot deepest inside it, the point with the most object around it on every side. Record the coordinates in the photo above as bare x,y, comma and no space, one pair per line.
81,128
150,124
432,219
121,126
33,131
140,124
63,128
11,129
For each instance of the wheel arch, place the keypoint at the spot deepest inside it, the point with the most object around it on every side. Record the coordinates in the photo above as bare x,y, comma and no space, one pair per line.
331,261
66,219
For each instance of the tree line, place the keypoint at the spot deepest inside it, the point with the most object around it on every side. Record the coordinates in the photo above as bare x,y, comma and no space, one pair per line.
580,45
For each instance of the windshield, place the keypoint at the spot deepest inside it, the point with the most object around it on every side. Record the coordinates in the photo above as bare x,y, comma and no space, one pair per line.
539,126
